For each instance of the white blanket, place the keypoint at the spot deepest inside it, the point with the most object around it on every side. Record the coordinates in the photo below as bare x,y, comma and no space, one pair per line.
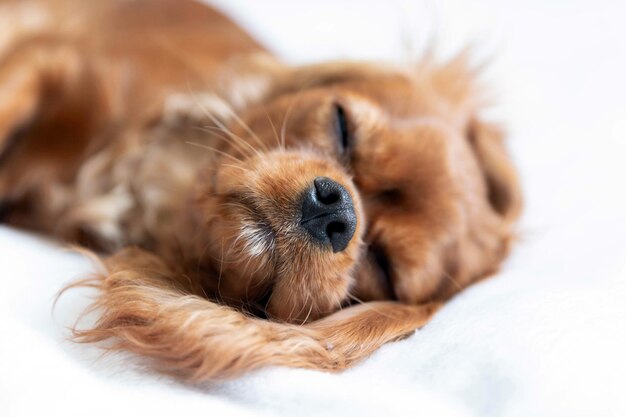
546,337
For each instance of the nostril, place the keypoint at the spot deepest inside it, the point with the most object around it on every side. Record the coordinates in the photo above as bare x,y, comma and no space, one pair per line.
328,199
328,191
334,228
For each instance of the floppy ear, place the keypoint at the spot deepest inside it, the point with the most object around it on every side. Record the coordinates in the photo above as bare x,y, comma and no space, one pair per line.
457,80
503,187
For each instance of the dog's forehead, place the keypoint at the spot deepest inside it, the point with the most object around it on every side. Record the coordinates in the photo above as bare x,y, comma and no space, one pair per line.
371,115
396,95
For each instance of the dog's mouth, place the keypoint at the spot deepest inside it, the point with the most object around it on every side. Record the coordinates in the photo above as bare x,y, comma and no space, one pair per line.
259,308
382,269
376,261
265,297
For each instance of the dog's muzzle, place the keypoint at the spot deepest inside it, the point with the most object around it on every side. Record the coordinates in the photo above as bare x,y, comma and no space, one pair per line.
328,213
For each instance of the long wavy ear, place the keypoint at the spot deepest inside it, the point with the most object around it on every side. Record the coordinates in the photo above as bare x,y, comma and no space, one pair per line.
146,307
504,193
458,81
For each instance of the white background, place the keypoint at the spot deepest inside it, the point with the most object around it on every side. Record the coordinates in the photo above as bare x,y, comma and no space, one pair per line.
546,337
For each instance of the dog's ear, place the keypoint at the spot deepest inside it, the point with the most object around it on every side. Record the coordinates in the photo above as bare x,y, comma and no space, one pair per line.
458,81
504,193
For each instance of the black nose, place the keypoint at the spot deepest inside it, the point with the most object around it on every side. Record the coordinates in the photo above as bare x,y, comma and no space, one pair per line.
328,213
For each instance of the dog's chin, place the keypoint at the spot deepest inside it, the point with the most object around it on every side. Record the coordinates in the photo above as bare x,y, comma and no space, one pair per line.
268,260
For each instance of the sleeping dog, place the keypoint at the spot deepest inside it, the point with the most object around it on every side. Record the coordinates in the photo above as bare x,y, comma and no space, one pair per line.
248,213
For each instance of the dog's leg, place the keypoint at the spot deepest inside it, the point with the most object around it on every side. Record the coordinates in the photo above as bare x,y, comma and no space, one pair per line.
146,310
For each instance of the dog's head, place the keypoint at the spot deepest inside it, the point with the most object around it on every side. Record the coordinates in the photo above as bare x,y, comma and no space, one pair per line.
357,182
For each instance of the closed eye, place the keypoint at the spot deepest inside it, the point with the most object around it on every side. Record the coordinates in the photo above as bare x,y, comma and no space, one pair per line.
342,127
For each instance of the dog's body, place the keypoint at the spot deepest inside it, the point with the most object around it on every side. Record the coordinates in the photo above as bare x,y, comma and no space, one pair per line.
242,183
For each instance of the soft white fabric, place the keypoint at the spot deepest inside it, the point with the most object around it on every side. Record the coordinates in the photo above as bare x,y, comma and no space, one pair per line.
546,337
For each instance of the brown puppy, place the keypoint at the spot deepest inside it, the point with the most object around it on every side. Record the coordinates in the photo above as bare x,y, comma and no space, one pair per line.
240,198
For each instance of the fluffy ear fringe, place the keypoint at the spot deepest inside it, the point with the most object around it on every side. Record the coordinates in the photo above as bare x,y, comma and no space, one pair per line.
148,309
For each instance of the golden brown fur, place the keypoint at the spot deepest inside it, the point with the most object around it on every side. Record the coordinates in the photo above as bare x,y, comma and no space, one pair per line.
159,132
